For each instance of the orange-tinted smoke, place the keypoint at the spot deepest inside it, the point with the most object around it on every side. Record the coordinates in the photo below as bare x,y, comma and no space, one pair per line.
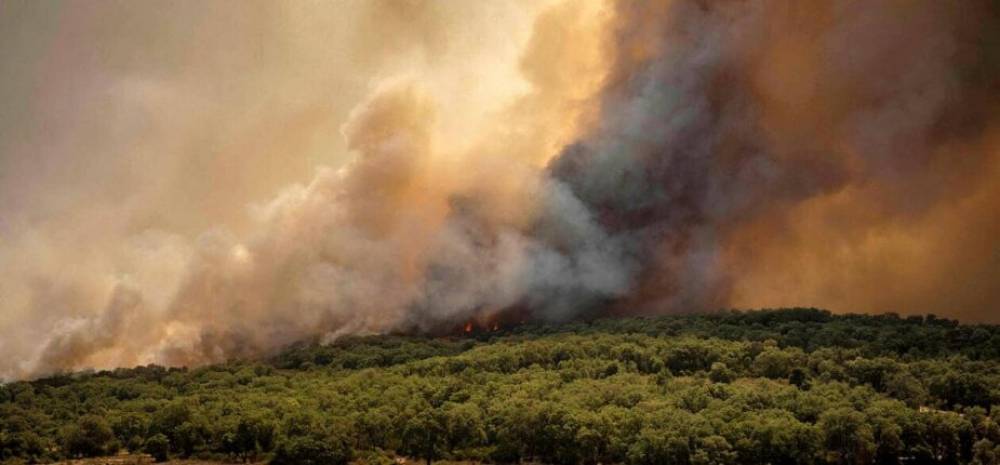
488,163
778,153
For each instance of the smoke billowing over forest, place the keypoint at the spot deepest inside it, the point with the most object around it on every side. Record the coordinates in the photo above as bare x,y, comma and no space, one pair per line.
182,192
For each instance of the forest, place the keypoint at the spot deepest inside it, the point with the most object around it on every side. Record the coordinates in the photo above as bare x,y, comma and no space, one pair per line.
780,387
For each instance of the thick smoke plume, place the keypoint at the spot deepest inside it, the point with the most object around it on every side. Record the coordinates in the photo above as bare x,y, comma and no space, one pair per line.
483,161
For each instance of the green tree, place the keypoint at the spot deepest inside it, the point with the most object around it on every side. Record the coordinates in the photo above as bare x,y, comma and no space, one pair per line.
158,446
847,436
248,437
776,363
425,435
799,378
944,432
907,388
129,427
658,446
720,373
985,453
464,426
316,448
91,436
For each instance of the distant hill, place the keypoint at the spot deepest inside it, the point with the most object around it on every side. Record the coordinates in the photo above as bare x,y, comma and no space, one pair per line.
782,386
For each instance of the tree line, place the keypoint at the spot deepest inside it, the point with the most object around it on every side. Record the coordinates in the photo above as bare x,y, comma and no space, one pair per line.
794,386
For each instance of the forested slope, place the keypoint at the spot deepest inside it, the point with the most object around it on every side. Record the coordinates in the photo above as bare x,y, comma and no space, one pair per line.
762,387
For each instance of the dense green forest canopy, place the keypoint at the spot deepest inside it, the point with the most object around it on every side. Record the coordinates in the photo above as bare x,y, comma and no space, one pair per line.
760,387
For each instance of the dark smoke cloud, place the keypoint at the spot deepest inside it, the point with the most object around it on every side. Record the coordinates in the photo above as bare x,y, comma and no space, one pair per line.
723,116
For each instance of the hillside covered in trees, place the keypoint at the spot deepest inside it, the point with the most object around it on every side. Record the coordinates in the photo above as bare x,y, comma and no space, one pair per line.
795,386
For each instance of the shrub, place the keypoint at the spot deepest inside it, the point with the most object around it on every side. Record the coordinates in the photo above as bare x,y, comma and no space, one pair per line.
91,436
158,446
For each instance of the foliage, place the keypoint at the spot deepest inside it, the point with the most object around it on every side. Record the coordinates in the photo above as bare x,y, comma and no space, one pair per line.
795,386
90,436
158,446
